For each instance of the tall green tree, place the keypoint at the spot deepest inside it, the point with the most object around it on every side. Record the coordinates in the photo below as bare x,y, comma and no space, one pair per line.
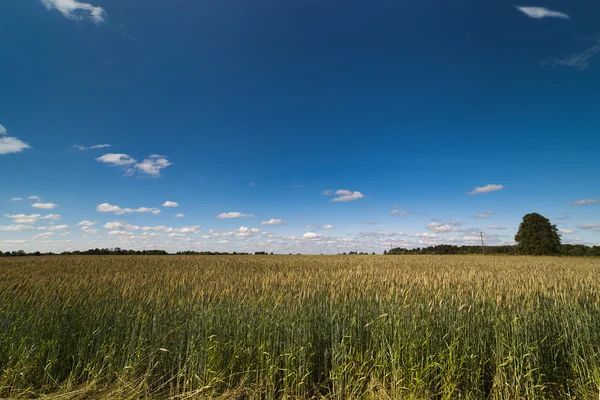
537,236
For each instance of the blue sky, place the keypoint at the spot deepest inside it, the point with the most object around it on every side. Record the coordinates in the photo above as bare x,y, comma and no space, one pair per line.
312,126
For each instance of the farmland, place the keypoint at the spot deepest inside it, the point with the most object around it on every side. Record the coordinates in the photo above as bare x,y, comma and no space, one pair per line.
300,327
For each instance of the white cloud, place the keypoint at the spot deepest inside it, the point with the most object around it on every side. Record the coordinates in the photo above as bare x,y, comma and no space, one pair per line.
243,229
170,204
584,202
327,192
541,12
578,61
253,184
12,145
312,235
327,226
96,146
34,197
75,10
273,222
150,166
106,207
86,223
153,164
486,189
116,159
486,214
53,227
23,218
44,206
589,226
14,241
496,227
233,215
369,223
120,233
16,199
346,195
566,231
180,215
400,213
440,228
43,235
115,225
30,219
91,231
15,228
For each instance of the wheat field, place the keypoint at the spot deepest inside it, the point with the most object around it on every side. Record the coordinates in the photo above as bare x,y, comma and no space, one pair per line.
300,327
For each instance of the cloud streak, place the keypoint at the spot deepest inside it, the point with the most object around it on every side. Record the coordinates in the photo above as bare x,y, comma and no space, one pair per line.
75,10
233,214
584,202
486,189
541,12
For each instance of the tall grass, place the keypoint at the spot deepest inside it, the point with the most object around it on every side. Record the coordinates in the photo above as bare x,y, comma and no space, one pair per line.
300,327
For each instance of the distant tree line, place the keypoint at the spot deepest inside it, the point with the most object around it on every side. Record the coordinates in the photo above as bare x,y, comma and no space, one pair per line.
576,250
124,252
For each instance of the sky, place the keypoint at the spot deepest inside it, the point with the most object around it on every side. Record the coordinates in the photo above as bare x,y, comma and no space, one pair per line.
312,126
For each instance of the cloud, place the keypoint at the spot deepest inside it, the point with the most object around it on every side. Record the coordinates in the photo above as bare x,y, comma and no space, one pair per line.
327,227
440,228
16,199
346,195
327,192
116,159
86,223
589,226
486,189
578,61
153,164
53,227
115,225
43,235
15,228
566,231
105,207
96,146
170,204
486,214
369,223
584,202
44,206
273,222
312,235
30,219
541,12
496,227
233,215
180,215
34,197
10,144
14,241
150,166
400,213
252,184
75,10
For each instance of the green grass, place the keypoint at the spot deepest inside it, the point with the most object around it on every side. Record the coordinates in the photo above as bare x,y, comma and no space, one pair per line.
300,327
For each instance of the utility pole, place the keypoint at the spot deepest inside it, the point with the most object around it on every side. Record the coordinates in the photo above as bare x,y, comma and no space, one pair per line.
482,245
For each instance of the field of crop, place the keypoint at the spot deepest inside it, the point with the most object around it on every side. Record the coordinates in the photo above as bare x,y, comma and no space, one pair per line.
300,327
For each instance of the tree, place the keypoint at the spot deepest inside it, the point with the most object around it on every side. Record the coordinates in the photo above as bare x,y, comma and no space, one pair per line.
537,236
